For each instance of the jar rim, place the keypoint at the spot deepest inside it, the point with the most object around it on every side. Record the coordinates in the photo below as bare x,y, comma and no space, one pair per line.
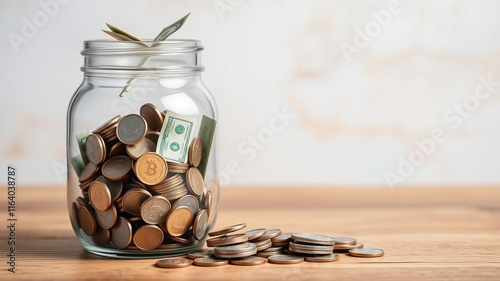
109,47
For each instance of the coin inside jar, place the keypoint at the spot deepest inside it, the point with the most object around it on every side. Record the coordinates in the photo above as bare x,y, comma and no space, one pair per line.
117,168
151,168
133,199
87,220
152,115
155,210
131,129
200,225
148,237
137,150
107,218
99,196
189,201
95,149
121,233
179,221
194,181
195,152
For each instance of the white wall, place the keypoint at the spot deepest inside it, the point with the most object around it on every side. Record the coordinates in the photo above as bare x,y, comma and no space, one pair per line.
355,115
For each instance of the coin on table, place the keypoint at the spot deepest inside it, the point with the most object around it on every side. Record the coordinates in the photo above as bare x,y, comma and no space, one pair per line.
189,201
270,234
248,261
313,239
151,168
155,209
99,196
366,252
227,229
194,181
195,151
107,218
95,149
285,259
174,262
263,244
152,116
137,150
347,247
87,220
209,261
344,241
227,240
322,258
101,237
202,253
283,237
121,233
117,168
200,225
179,221
131,129
240,250
310,248
255,233
148,237
133,199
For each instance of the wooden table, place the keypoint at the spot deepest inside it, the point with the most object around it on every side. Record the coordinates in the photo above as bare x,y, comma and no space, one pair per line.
427,234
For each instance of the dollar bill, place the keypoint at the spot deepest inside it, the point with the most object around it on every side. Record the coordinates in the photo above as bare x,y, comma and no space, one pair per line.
124,34
167,31
77,163
81,138
175,137
121,37
206,132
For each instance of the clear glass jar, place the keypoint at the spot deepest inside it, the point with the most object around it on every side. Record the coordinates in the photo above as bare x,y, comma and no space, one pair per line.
142,179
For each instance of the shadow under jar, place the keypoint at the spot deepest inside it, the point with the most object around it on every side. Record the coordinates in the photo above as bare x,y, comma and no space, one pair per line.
142,181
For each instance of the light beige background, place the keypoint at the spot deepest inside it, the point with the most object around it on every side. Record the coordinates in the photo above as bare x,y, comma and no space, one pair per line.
354,116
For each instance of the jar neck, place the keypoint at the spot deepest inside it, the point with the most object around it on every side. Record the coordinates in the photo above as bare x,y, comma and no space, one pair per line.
104,58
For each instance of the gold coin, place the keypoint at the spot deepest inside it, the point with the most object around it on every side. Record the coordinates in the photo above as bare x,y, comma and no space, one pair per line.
200,225
148,237
227,229
87,220
101,237
152,116
88,172
95,149
99,196
209,261
255,233
227,240
322,258
366,252
174,262
107,218
121,233
131,129
179,221
248,261
151,168
155,210
133,199
117,168
137,150
202,253
195,151
194,181
285,259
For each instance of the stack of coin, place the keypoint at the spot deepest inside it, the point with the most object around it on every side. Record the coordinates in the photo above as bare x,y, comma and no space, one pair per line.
286,248
131,197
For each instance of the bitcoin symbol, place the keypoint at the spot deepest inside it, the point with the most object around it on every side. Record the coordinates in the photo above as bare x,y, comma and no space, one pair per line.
151,170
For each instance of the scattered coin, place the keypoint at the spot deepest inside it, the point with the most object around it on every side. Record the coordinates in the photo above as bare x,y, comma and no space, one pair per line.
209,261
344,241
255,233
347,247
240,250
285,259
174,263
322,258
313,238
366,252
202,253
227,240
248,261
227,229
270,234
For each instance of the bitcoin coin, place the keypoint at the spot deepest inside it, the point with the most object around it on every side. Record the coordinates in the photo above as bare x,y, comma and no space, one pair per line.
151,168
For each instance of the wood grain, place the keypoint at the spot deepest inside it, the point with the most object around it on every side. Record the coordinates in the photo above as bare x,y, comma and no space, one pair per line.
427,234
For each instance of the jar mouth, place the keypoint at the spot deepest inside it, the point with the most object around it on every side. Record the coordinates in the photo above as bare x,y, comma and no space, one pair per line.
167,47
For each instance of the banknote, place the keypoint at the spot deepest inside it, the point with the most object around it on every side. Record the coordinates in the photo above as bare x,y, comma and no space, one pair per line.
175,137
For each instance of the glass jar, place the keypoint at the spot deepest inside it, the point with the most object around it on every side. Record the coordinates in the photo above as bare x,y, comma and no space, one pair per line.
142,178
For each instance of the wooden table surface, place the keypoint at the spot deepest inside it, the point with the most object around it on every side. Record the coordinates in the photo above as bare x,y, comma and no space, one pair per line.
427,234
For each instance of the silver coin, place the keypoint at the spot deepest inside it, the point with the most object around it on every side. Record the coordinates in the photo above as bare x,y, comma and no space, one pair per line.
121,233
313,238
131,129
323,258
189,201
344,240
242,247
255,233
285,259
366,252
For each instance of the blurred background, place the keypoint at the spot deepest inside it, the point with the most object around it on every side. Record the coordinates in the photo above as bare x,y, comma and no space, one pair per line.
373,93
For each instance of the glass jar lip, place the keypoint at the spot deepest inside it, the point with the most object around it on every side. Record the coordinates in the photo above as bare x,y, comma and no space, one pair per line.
109,47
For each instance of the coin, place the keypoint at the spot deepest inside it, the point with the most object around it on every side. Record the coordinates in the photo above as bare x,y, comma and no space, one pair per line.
310,249
366,252
285,259
194,181
131,129
202,253
116,149
137,150
151,168
208,203
313,238
344,241
114,187
264,254
247,261
121,233
347,247
322,258
148,237
228,229
117,168
87,220
200,225
227,240
153,136
133,199
179,221
155,210
195,151
107,124
107,218
101,237
240,250
95,149
209,261
255,233
174,262
263,244
189,201
99,196
152,116
270,233
88,172
186,241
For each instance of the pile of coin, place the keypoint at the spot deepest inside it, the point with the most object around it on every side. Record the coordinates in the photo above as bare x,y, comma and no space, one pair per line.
258,246
132,198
